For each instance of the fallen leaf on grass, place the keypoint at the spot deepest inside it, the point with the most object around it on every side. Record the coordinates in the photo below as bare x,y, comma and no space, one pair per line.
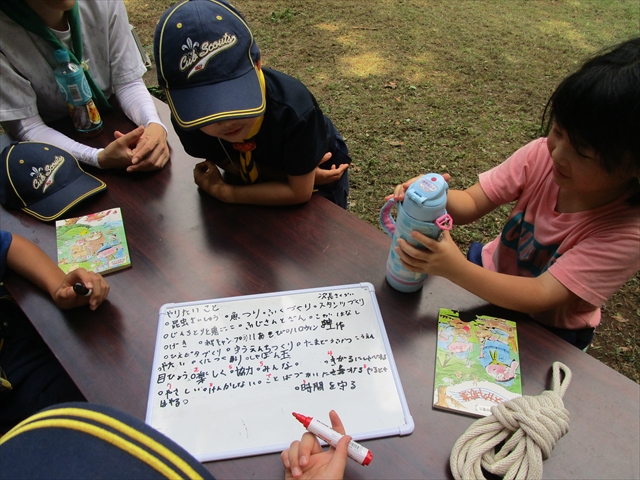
391,85
396,144
620,319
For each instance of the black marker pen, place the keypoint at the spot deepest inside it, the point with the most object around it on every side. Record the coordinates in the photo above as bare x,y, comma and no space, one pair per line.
80,289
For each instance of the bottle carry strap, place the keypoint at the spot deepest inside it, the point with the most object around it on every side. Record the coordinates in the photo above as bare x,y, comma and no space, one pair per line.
387,222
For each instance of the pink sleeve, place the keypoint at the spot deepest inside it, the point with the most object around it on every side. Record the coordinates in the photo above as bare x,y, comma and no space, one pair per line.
505,182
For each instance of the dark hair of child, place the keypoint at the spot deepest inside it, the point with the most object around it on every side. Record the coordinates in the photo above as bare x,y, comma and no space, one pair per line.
599,107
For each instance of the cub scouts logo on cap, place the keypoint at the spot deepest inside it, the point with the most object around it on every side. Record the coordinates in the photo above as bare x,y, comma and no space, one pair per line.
45,175
206,60
206,53
43,180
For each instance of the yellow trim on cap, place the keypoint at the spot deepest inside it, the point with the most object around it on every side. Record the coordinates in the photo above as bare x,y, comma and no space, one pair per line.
44,420
26,208
231,114
75,202
164,25
217,117
254,112
108,437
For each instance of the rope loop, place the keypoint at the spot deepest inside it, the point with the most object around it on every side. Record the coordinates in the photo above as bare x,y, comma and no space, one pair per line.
529,426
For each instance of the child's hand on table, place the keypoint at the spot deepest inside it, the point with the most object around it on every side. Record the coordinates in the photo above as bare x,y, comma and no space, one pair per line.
65,297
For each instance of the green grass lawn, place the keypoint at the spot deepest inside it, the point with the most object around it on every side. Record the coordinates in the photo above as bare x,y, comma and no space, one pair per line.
444,86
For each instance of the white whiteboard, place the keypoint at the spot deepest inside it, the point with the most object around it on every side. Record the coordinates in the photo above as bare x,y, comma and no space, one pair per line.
228,373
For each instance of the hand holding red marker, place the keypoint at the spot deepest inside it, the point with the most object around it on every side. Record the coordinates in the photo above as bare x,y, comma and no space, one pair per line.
305,459
355,451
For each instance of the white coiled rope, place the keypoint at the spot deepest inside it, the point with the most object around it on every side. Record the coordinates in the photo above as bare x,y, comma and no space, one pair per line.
529,426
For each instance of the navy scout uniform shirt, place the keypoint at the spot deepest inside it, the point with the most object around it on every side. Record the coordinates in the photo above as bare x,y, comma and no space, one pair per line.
294,136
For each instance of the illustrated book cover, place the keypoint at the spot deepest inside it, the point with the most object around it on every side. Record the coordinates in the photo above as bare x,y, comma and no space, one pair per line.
95,242
477,363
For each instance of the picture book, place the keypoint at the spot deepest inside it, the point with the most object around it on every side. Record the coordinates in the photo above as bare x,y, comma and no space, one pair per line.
95,242
477,363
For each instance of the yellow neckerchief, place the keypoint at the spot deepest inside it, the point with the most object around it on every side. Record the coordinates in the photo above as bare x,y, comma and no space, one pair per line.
249,169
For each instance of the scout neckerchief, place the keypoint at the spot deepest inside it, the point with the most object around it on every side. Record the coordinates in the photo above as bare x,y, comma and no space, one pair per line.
19,12
248,168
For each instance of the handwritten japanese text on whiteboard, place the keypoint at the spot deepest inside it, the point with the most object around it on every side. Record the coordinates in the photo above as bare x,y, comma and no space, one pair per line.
210,349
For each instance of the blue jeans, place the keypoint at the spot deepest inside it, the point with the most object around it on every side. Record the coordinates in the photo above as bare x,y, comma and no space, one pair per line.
338,191
578,338
474,254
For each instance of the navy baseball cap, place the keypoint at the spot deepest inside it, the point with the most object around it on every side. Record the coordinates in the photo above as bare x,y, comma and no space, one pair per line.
84,440
43,180
206,61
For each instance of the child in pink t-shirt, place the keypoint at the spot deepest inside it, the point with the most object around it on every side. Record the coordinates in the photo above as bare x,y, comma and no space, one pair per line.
573,236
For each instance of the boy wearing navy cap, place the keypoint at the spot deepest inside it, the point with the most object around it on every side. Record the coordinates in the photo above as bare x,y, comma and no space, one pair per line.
263,128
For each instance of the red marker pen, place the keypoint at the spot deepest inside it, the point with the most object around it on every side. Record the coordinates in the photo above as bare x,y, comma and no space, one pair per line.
356,451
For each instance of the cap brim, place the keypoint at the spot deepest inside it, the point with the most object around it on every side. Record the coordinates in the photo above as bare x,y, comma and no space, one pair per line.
53,206
197,106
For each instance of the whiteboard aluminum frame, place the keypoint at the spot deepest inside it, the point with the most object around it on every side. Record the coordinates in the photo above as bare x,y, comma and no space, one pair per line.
406,429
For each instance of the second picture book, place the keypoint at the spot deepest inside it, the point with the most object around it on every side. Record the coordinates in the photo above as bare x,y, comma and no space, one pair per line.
96,242
477,363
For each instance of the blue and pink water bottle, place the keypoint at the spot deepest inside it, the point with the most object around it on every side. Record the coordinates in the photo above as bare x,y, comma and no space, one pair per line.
423,209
